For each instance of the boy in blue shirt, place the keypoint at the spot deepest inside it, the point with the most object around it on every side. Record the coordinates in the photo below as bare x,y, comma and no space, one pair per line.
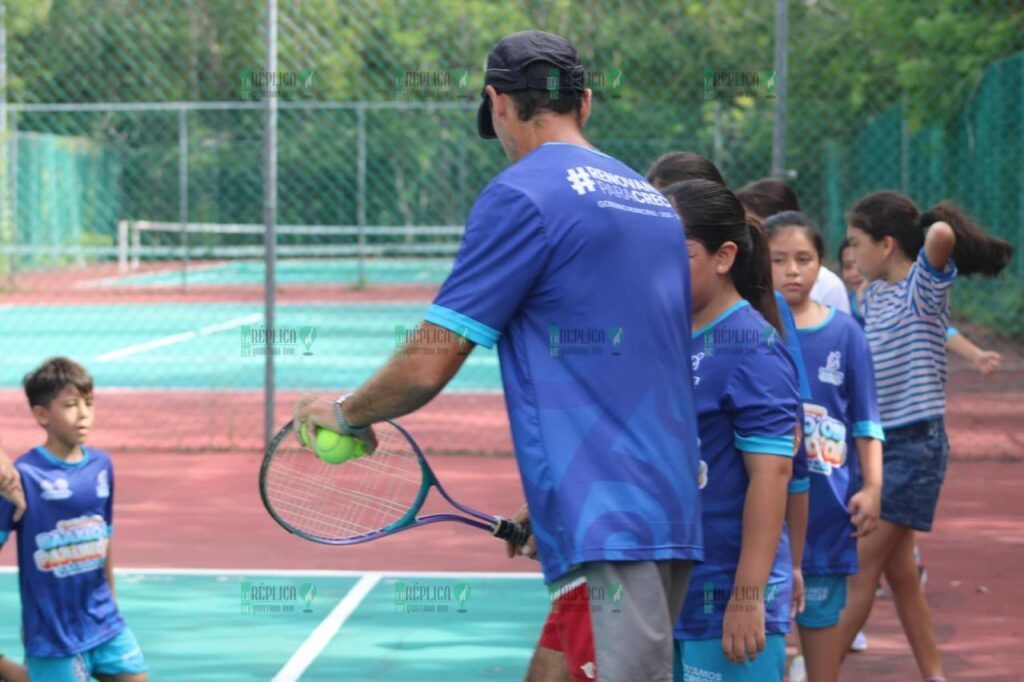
71,624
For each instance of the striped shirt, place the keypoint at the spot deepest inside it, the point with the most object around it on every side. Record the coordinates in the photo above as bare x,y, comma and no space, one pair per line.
906,328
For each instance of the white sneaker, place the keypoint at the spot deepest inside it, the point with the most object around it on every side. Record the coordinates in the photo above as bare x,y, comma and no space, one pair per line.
922,575
797,670
879,592
860,642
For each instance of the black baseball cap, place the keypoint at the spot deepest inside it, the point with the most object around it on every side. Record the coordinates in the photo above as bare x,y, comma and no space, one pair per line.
506,69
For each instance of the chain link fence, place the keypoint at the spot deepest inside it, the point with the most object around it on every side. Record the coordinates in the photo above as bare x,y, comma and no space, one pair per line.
131,212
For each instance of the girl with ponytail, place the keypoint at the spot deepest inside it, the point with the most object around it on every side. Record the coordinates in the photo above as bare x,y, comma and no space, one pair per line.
909,260
737,608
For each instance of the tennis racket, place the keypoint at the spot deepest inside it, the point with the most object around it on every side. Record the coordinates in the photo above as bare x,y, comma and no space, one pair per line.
365,498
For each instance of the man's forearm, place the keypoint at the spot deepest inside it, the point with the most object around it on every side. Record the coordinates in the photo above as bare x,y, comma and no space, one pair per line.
392,392
410,380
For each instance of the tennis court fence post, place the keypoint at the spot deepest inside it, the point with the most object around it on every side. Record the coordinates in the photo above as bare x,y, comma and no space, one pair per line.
183,190
781,83
361,196
269,224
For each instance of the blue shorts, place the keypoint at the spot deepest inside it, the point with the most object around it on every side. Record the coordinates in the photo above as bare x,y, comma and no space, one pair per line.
914,459
705,662
118,656
824,598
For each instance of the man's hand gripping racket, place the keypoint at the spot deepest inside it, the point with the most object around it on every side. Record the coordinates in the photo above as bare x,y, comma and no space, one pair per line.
366,495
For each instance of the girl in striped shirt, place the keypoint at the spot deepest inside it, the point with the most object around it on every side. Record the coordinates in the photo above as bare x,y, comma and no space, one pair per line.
909,261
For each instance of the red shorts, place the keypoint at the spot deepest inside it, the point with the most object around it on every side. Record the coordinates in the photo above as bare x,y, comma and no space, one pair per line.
568,630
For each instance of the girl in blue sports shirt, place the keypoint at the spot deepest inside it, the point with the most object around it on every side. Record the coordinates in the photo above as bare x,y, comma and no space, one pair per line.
842,430
736,611
909,260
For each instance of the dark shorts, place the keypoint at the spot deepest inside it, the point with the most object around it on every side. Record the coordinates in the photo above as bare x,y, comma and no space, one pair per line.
914,466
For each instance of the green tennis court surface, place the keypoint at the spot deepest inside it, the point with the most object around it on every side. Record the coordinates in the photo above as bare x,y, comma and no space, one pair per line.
202,345
196,625
295,271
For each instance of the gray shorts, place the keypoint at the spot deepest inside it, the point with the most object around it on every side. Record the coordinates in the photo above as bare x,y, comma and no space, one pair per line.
633,609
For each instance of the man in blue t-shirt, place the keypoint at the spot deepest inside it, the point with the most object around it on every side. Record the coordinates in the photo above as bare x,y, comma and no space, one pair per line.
580,269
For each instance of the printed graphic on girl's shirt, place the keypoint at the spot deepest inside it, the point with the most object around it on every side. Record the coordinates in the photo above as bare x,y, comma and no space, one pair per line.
830,373
826,439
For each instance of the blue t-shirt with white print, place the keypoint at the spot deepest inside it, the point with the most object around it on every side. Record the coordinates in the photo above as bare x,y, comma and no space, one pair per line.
67,606
577,268
843,407
747,398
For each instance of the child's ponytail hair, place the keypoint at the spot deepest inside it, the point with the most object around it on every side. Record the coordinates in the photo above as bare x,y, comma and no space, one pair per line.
891,214
712,215
976,252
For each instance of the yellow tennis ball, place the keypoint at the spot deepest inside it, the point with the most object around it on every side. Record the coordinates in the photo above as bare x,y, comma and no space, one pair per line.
335,448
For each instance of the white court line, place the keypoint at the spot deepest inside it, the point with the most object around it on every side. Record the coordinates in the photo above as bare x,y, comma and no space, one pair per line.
177,338
328,628
316,573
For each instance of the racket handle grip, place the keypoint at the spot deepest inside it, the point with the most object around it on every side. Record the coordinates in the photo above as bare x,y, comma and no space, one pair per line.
510,531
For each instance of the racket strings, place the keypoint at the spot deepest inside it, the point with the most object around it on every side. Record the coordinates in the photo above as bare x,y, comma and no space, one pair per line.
339,501
293,501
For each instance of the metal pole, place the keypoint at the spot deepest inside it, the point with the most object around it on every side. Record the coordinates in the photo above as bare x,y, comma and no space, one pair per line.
3,67
13,165
361,195
183,191
781,83
269,221
6,233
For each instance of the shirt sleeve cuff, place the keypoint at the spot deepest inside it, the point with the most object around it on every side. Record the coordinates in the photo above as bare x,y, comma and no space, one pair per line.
951,332
868,429
463,325
799,485
769,445
945,275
